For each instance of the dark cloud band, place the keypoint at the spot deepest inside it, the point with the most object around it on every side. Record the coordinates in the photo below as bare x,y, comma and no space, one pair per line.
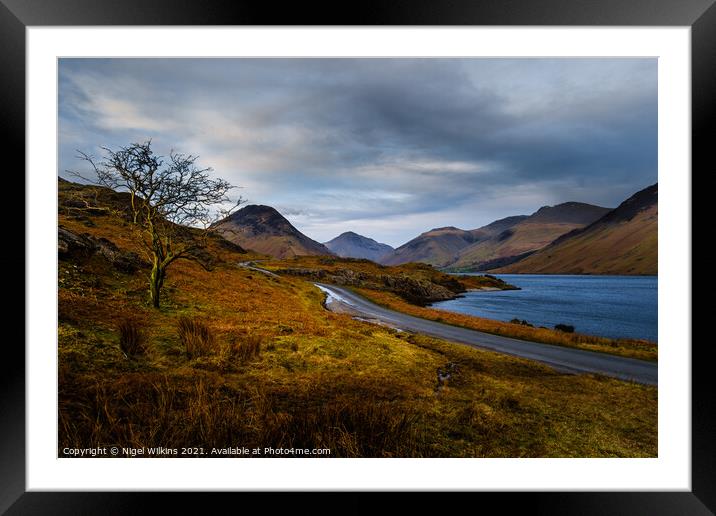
386,144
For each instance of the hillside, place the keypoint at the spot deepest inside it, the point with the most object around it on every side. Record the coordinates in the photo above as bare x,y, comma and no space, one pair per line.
526,236
264,230
353,245
624,241
436,247
577,213
496,244
240,357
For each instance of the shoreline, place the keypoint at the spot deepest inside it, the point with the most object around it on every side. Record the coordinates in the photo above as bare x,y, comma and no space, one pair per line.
436,305
644,349
581,274
346,301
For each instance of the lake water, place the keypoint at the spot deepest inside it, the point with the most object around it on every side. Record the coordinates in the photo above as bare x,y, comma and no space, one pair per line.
609,306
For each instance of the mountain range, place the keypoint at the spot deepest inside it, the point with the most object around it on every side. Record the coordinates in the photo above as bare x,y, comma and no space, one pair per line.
623,241
499,243
570,238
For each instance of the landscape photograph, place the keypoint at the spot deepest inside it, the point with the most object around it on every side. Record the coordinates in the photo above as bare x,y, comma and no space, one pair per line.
357,258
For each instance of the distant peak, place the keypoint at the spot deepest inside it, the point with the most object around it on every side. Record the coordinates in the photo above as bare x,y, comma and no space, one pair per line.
556,207
572,205
349,235
569,212
641,200
353,236
575,204
255,210
568,204
257,207
352,245
445,228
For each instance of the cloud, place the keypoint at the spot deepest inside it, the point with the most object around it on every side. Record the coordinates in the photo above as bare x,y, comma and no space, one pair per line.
393,146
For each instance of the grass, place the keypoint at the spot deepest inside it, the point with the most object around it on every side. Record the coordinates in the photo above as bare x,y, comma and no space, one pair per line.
632,348
282,371
196,337
245,348
154,410
131,338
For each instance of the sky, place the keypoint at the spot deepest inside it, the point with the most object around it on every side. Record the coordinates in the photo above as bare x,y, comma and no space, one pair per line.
388,148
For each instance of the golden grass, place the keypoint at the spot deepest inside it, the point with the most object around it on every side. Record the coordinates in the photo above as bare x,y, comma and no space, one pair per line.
131,337
196,337
285,372
632,348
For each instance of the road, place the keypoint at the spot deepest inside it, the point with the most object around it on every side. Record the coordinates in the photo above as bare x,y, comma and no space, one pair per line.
252,267
561,358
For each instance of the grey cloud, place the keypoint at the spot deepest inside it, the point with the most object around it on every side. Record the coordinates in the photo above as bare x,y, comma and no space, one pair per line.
379,142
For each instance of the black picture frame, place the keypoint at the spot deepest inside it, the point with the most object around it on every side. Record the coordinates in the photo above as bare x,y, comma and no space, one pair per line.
17,15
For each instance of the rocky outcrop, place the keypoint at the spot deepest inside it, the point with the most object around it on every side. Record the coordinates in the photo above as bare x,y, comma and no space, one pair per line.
73,246
419,292
414,290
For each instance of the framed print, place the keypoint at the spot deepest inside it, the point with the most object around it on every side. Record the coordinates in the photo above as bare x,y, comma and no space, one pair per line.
424,239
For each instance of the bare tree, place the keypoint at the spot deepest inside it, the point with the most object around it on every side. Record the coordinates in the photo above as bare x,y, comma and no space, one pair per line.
169,198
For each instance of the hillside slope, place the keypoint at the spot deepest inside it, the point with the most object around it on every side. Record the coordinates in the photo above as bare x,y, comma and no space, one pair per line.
268,366
624,241
353,245
264,230
526,236
441,246
495,244
498,243
436,247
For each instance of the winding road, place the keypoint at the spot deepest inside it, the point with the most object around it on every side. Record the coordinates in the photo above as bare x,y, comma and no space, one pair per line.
561,358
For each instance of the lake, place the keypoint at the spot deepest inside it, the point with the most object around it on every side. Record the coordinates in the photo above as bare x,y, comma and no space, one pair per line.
608,306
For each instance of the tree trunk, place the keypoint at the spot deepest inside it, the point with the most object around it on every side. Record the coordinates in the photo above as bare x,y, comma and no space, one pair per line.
156,280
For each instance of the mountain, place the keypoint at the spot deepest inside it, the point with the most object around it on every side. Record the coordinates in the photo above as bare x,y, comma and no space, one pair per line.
437,247
353,245
624,241
569,213
526,235
498,243
265,230
500,225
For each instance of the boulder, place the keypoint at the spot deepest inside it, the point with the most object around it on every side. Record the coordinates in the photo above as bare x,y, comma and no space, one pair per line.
72,246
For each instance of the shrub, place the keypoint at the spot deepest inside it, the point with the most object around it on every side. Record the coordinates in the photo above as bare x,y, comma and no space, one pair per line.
131,338
567,328
196,337
241,348
246,347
